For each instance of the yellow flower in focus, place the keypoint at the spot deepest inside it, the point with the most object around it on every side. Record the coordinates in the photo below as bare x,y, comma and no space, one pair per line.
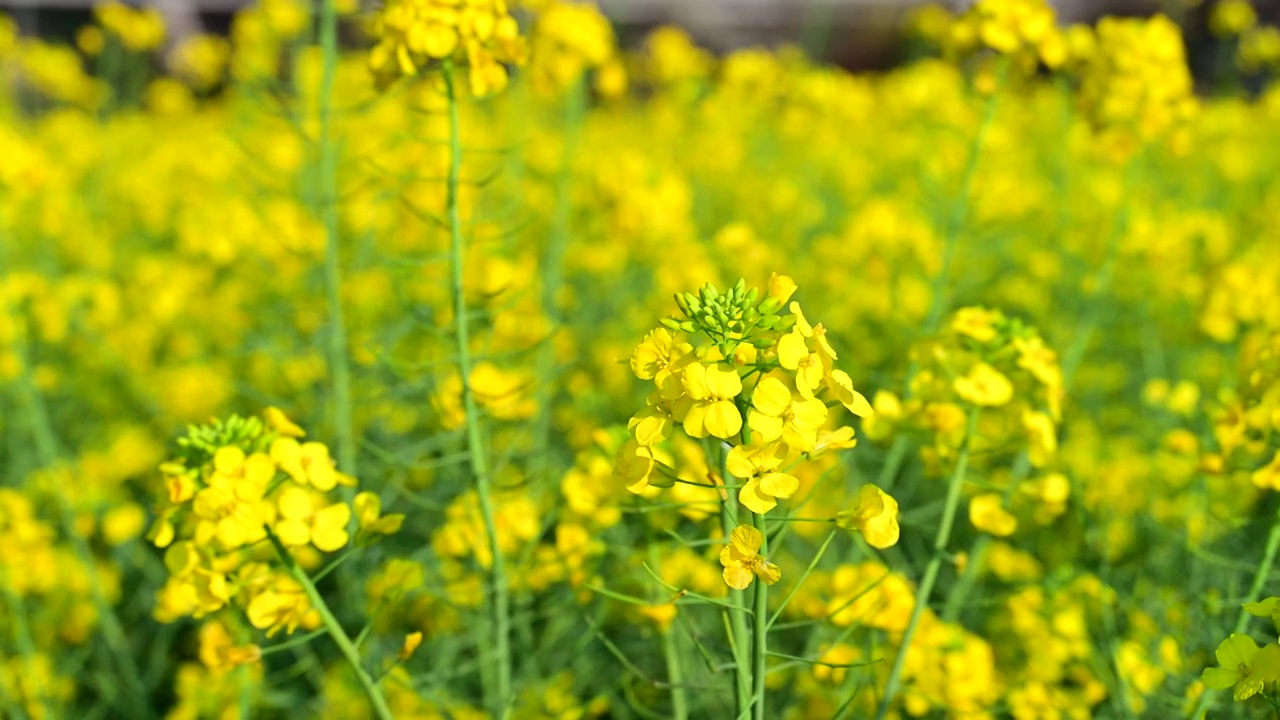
984,386
712,411
658,356
742,561
780,412
636,467
1243,667
986,514
282,605
300,522
875,516
307,463
758,465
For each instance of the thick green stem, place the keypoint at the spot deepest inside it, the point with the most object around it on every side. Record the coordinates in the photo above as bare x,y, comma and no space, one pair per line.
760,629
326,200
1255,590
499,599
943,537
340,637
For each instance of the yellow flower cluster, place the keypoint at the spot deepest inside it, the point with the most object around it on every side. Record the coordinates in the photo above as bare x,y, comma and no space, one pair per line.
571,39
234,485
413,34
1021,28
985,362
1137,84
138,29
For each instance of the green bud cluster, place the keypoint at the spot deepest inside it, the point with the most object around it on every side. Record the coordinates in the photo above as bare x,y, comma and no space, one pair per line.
200,443
728,318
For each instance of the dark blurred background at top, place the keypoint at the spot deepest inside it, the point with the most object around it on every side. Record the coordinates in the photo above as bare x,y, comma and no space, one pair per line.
856,34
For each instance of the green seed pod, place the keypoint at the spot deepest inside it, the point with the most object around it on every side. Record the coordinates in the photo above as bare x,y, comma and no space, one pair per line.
670,323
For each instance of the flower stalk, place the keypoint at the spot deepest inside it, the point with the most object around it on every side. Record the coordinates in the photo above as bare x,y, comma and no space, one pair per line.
893,684
334,628
499,598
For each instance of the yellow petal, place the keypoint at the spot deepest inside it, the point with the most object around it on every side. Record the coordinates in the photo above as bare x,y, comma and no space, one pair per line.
737,577
723,381
754,500
294,503
746,540
771,396
779,485
791,350
723,419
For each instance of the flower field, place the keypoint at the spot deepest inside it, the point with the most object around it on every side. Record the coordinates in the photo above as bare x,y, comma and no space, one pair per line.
458,360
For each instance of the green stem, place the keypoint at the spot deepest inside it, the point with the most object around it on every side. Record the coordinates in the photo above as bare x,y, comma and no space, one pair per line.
796,588
952,231
1255,590
978,550
931,570
340,638
760,623
47,452
479,463
553,268
959,217
675,664
737,627
327,205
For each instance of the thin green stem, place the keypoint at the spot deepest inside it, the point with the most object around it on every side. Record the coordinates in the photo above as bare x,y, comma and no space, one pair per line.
892,686
760,626
796,588
675,663
326,200
340,637
47,453
499,598
553,267
952,232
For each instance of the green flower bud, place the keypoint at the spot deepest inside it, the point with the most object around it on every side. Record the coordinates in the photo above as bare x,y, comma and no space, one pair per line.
770,306
763,342
671,323
688,326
